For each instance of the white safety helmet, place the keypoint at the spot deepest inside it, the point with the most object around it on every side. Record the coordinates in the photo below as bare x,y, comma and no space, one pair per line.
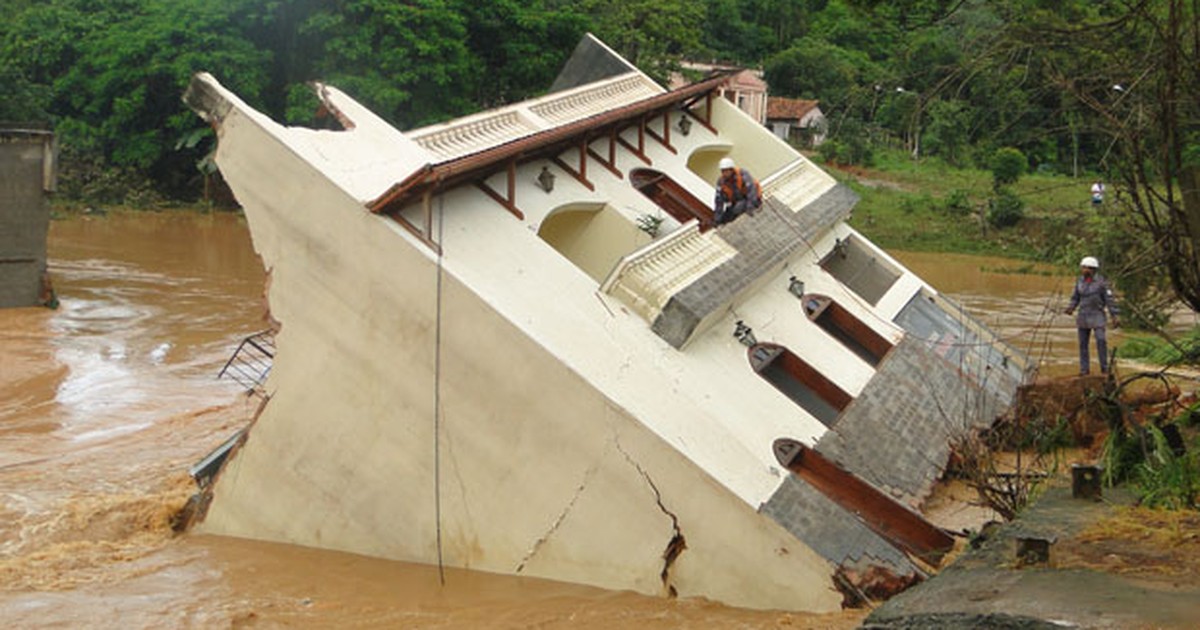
727,163
1090,261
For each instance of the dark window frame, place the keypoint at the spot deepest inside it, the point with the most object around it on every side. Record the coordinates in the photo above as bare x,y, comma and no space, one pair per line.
842,325
667,194
799,381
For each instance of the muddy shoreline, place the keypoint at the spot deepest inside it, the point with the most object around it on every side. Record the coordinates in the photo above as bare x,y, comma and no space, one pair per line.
989,587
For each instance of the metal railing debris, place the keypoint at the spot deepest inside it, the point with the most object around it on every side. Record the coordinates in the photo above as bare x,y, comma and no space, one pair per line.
251,362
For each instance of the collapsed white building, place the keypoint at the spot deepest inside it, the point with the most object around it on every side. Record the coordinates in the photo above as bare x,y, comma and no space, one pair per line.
515,342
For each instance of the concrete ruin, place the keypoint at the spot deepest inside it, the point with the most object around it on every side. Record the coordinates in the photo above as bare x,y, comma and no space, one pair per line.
515,342
27,174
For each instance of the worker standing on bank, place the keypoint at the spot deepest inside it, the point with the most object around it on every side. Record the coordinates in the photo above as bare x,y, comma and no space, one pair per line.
1091,297
737,193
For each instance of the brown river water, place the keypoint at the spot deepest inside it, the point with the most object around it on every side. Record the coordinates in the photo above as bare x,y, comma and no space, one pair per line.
105,402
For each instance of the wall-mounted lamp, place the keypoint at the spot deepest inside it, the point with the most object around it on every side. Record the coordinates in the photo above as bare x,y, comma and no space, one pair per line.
841,248
545,179
684,124
796,286
744,334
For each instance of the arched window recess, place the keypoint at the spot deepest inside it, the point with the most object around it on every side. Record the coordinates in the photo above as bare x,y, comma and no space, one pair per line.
799,381
842,325
667,194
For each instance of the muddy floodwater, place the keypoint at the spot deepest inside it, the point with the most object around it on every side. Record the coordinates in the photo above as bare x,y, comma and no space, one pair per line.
105,402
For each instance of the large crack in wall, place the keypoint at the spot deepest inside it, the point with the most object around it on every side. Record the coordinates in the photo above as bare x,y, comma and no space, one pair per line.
677,544
562,516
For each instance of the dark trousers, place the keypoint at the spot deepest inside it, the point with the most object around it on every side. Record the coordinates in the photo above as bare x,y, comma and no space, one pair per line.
733,211
1101,349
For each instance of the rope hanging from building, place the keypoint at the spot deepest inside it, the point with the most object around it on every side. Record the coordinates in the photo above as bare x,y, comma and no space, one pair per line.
437,397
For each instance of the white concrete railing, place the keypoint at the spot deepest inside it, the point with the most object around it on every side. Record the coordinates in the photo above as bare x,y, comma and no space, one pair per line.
475,135
599,99
797,184
489,129
647,278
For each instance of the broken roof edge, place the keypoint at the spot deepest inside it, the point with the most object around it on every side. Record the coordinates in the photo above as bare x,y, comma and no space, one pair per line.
591,61
363,160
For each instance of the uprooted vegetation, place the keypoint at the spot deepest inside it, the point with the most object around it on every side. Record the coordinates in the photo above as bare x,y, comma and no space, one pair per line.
1140,430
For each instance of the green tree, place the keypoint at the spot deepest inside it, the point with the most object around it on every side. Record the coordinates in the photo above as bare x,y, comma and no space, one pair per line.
518,47
1134,69
409,62
729,36
1007,166
947,132
1005,208
109,74
25,101
653,35
842,25
815,68
121,97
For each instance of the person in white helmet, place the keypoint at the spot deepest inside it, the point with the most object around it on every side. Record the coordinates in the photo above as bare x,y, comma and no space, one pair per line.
1091,297
737,193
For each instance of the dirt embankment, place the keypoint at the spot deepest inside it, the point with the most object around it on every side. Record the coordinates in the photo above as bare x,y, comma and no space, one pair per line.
1110,563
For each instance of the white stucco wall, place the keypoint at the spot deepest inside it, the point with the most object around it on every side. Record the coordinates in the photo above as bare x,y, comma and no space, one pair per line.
765,155
593,239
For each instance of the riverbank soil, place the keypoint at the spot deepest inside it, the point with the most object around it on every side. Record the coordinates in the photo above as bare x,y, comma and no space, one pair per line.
1110,564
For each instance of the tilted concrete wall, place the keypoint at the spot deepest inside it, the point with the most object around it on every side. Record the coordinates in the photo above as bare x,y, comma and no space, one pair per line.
539,473
24,218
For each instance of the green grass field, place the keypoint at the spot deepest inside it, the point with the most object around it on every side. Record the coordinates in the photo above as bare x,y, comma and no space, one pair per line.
929,206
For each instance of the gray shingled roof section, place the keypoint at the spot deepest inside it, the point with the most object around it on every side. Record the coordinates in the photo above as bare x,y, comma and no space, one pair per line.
838,535
590,62
897,433
763,240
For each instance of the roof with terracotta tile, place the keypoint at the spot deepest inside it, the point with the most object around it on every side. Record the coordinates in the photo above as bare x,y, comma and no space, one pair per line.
789,108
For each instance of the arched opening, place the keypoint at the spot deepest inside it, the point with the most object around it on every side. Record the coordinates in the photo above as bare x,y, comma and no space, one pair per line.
798,380
704,162
859,338
667,194
594,236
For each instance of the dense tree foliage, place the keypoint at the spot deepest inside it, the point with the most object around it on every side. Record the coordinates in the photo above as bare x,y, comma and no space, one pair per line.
950,78
1137,73
1078,87
109,73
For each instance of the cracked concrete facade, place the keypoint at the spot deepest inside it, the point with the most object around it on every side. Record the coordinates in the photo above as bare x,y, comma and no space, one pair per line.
340,459
678,543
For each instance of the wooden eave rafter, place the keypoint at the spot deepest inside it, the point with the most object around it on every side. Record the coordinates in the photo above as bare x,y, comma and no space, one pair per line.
478,166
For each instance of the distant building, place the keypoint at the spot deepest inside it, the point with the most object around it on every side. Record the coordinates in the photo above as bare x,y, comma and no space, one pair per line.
796,120
27,174
746,88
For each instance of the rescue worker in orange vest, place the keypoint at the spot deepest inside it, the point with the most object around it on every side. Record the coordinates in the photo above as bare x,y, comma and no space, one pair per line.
737,193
